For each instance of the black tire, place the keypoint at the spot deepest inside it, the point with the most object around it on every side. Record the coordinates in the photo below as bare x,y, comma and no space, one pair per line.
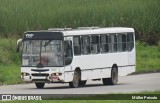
82,83
39,85
75,82
114,77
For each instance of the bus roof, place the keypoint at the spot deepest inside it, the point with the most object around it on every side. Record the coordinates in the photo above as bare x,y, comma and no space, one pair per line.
97,31
88,30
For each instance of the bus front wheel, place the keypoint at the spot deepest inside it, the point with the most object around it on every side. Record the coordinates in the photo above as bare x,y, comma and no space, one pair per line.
39,85
114,77
75,82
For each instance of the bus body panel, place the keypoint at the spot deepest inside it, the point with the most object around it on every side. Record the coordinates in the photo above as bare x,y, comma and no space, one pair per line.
99,65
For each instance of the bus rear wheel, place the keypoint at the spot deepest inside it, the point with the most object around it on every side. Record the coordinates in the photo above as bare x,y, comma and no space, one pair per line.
75,82
39,85
114,77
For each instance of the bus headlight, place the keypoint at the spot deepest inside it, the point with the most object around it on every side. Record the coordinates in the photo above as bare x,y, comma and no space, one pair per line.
25,74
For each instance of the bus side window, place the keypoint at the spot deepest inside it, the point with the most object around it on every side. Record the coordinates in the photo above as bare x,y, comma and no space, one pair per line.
85,45
104,43
113,42
95,49
68,52
77,45
130,42
119,41
124,42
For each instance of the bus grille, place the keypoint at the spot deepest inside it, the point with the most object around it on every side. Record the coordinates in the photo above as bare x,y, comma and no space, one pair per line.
39,74
40,80
40,70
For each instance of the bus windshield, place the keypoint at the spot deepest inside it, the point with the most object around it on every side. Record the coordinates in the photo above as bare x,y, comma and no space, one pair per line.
42,52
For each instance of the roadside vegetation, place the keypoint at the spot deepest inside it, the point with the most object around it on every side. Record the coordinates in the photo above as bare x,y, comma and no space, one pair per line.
10,74
147,57
18,16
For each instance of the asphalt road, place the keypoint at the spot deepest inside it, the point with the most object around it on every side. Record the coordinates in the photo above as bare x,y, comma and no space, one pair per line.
127,84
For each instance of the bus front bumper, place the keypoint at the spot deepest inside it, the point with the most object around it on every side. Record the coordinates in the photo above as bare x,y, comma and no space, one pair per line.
46,78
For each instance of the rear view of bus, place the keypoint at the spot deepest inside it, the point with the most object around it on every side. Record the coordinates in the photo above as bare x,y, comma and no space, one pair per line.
77,55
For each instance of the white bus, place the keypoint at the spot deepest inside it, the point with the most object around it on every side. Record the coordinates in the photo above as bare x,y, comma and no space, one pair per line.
76,55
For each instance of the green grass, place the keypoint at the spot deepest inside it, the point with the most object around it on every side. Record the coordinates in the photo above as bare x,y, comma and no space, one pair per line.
8,53
10,74
9,62
18,16
147,57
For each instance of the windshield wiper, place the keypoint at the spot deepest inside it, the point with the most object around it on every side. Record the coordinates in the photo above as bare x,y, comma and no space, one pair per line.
47,43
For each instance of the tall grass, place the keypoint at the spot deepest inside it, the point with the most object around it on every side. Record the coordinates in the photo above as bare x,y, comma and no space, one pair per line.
17,16
10,74
8,53
147,57
9,62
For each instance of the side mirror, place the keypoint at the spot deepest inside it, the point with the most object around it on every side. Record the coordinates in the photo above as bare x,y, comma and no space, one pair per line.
19,41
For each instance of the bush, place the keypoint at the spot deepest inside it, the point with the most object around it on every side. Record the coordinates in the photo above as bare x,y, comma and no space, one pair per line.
8,52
